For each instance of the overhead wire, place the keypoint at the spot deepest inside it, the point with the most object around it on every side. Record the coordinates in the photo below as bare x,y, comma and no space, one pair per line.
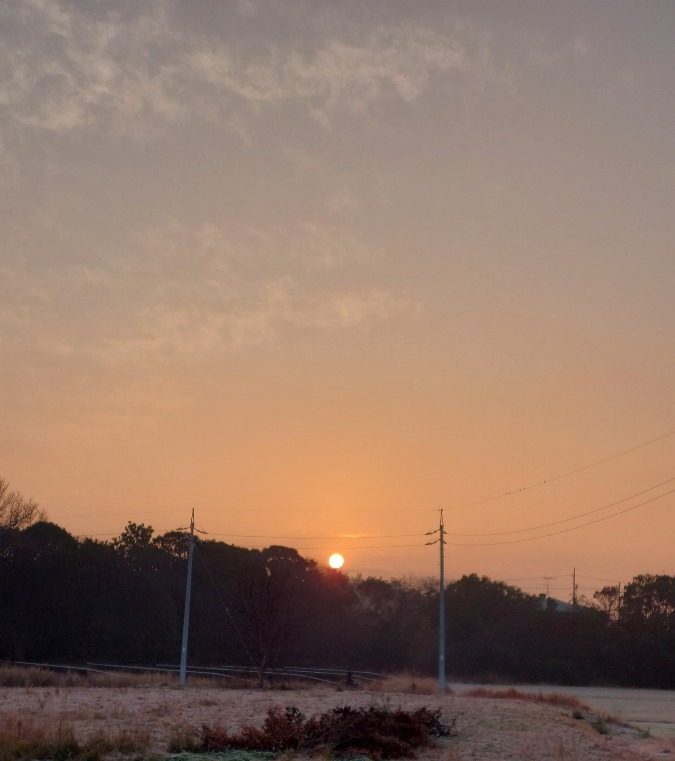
572,518
280,511
563,531
333,538
341,538
455,534
568,473
484,500
224,604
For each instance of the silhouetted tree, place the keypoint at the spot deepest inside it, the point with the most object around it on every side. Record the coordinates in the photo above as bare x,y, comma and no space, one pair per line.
17,512
41,595
487,624
608,600
649,603
75,600
277,602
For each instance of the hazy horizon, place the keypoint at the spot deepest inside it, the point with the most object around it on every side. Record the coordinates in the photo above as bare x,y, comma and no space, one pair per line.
318,270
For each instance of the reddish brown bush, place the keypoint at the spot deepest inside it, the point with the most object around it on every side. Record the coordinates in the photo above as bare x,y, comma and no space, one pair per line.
381,733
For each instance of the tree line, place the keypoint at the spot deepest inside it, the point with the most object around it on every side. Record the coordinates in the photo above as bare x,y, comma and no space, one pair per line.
70,600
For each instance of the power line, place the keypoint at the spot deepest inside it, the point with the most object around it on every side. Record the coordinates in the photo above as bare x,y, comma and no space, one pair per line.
597,578
264,546
341,538
562,475
315,511
360,547
335,538
572,518
226,608
566,530
279,511
467,544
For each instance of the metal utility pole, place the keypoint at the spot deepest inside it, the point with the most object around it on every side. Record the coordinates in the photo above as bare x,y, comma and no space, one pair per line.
186,612
441,612
441,604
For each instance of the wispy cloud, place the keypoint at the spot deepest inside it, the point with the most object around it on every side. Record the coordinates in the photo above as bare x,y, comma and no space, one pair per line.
69,69
389,63
544,52
72,67
196,292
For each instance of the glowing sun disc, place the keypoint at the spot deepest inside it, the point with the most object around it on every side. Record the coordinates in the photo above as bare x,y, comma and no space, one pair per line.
336,560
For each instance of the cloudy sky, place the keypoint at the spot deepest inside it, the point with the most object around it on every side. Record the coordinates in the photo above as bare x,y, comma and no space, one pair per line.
320,269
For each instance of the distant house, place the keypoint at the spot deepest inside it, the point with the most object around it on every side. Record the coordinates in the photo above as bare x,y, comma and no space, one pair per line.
557,606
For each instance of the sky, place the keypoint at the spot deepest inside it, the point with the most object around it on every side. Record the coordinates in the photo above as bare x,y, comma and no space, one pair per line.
319,270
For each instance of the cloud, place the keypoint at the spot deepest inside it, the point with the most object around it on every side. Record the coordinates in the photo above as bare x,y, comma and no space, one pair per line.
70,69
352,309
75,67
168,331
389,63
195,293
327,247
342,200
545,53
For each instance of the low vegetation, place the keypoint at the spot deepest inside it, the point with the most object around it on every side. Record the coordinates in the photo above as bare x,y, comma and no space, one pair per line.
554,698
377,731
34,676
27,740
12,675
380,732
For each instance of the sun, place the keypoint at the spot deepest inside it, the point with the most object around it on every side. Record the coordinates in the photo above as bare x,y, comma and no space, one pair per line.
336,560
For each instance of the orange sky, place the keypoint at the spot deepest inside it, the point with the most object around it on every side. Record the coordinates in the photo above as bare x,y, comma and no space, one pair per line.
321,271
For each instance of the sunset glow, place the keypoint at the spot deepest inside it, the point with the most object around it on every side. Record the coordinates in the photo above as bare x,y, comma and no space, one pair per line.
336,560
319,270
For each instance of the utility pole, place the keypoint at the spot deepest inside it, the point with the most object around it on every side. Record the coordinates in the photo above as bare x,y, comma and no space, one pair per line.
441,604
574,587
186,612
547,579
441,612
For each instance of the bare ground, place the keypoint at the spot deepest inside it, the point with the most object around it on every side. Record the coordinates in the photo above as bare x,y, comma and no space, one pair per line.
486,728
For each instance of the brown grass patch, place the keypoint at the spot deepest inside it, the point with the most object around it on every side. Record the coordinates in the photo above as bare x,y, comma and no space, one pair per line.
554,698
408,684
27,739
36,676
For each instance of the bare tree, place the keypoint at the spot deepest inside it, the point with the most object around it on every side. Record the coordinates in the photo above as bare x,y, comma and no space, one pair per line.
276,601
17,512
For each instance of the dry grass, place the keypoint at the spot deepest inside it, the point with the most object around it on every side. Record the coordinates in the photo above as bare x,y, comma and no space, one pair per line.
519,726
555,699
27,739
34,676
408,684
